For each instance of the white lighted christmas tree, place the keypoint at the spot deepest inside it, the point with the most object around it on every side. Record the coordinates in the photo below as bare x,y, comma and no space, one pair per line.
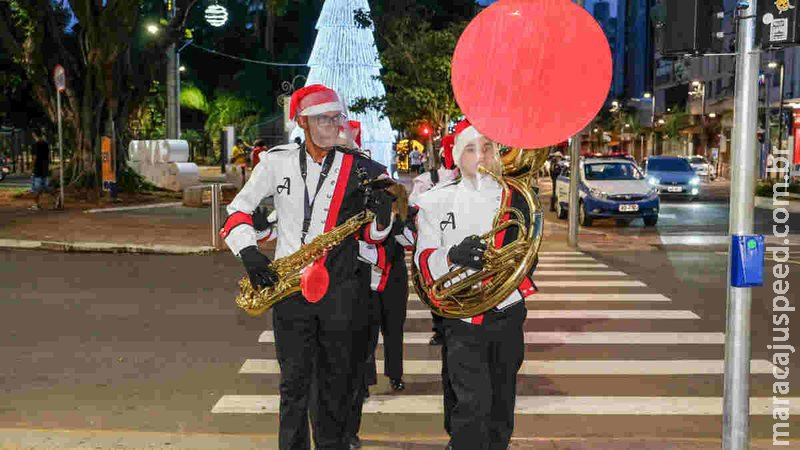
345,59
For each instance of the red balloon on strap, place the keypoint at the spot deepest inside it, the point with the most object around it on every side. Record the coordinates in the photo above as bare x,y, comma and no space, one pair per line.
315,281
530,74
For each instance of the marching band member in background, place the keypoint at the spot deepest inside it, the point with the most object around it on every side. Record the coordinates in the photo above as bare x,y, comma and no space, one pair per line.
484,353
315,186
387,311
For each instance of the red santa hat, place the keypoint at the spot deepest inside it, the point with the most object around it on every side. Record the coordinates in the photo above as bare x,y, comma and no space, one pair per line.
464,134
355,130
313,100
447,151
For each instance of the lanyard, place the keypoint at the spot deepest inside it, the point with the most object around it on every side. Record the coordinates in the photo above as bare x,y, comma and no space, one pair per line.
308,204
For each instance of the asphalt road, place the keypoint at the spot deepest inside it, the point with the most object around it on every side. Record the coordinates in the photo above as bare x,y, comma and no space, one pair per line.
154,343
621,342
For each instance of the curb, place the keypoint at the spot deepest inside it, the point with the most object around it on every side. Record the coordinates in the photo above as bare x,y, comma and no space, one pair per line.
103,247
766,203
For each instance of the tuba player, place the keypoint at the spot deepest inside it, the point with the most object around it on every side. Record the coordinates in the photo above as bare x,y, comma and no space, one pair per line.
483,353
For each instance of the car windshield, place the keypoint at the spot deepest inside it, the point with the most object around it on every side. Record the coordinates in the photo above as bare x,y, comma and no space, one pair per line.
697,160
669,165
611,171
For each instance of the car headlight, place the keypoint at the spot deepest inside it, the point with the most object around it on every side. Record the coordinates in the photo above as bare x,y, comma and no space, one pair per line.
597,193
653,181
695,181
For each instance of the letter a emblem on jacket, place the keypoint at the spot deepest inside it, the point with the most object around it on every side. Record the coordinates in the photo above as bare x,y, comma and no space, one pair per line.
451,220
286,186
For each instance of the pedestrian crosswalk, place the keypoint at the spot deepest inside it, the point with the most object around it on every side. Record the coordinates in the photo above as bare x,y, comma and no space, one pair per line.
610,343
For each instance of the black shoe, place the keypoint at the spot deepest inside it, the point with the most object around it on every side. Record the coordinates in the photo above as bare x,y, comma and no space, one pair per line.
354,442
436,339
366,396
397,384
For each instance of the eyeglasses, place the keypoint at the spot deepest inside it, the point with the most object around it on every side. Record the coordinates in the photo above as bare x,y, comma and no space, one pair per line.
328,121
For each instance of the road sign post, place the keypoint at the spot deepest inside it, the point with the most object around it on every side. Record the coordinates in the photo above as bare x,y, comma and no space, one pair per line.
60,80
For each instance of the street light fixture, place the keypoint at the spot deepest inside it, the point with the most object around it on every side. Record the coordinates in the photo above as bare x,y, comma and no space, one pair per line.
661,121
712,115
772,65
647,95
182,69
152,28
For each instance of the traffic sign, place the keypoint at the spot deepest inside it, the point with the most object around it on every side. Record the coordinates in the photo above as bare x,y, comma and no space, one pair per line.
60,78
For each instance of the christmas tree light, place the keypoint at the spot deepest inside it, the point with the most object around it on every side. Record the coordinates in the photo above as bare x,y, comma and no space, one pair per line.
345,59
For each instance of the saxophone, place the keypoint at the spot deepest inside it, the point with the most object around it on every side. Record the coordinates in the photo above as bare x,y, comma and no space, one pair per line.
289,268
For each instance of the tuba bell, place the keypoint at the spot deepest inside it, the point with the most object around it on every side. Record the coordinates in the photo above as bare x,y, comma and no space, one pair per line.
463,292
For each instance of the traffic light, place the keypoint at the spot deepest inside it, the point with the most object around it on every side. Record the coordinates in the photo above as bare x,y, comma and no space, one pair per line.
776,25
425,130
691,26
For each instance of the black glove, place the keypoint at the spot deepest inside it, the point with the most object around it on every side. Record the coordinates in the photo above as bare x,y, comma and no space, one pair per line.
261,219
469,253
258,269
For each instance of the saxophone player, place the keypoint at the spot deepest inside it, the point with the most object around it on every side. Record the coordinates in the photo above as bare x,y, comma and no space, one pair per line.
315,186
483,353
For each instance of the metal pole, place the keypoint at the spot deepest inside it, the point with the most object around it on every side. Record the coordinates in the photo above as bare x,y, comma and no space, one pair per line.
172,80
60,153
780,113
574,197
767,134
736,407
703,137
216,192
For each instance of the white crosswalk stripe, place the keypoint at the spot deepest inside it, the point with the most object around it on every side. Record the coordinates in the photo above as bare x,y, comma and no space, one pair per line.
626,314
526,405
578,337
558,367
570,284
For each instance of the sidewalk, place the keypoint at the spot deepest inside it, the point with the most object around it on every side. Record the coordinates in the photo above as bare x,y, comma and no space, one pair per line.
13,438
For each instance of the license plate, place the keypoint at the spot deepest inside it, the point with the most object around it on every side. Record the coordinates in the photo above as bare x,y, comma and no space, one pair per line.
674,189
628,208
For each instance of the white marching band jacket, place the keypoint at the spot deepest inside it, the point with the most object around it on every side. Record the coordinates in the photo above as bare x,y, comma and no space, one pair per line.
448,214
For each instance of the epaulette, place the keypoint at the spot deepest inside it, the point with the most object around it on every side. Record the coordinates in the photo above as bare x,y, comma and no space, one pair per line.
354,152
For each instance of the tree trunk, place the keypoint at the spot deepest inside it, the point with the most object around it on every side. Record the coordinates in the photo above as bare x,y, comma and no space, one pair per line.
269,28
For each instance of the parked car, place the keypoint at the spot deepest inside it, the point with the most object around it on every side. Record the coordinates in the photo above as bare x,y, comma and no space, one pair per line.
609,188
672,176
703,167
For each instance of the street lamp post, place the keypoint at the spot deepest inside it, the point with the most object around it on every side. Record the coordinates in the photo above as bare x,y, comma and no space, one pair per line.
773,65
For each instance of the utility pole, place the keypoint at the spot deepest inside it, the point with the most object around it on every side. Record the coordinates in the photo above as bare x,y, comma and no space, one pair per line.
574,173
173,95
736,405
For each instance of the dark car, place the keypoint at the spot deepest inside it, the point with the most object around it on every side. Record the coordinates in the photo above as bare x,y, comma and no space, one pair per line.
672,176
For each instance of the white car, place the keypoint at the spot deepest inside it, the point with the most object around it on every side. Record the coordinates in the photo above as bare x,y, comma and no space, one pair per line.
702,167
610,188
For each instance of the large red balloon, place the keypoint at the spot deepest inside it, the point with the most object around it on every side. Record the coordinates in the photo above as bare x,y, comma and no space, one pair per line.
531,73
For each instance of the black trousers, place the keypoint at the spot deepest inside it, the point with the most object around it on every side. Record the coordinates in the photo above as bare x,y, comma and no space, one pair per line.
393,303
482,365
318,342
553,198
